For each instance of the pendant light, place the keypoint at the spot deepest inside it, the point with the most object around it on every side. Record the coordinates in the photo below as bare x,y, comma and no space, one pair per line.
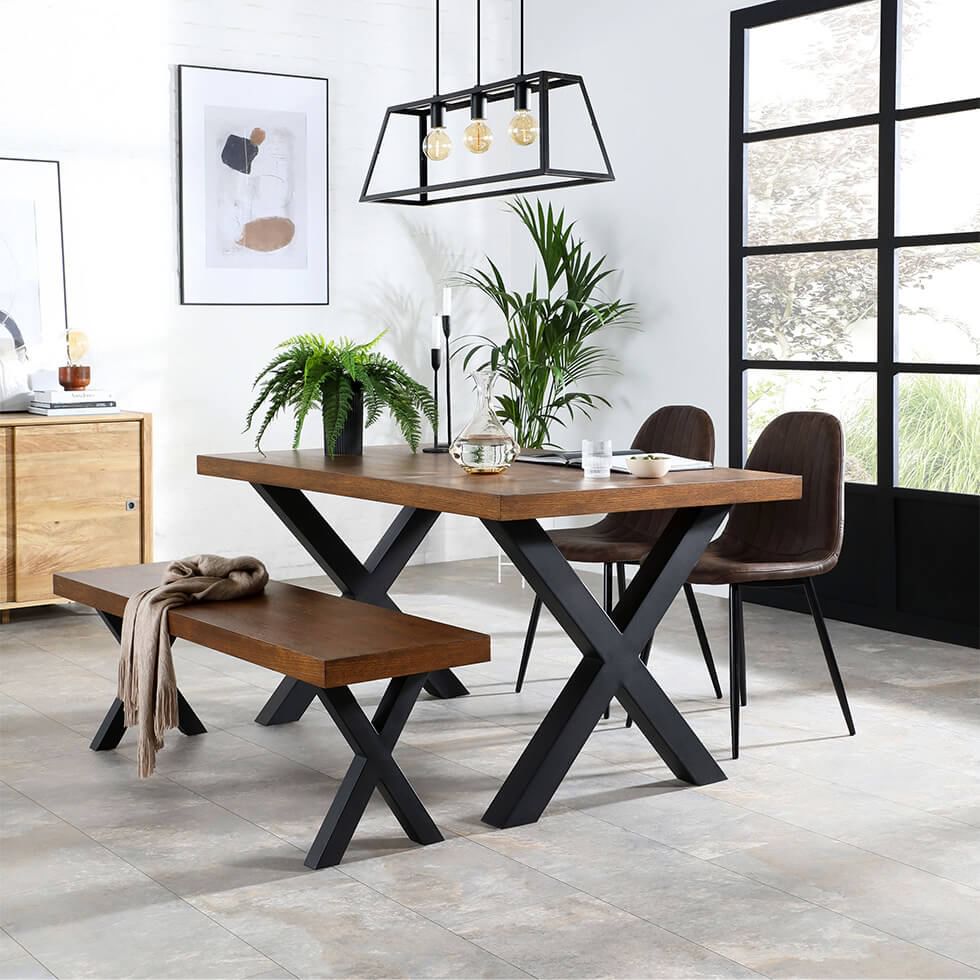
441,185
523,128
478,136
437,144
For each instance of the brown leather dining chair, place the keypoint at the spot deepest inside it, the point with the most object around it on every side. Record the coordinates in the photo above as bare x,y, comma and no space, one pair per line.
626,539
784,543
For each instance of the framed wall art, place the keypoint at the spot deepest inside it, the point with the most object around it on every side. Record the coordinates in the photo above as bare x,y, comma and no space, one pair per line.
32,262
252,177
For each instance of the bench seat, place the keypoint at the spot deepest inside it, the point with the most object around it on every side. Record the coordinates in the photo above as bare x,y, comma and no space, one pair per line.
321,639
325,642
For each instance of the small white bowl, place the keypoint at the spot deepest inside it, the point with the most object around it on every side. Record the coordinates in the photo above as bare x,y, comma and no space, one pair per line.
648,465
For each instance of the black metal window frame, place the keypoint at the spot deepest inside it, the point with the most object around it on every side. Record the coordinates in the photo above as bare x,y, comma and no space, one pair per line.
886,368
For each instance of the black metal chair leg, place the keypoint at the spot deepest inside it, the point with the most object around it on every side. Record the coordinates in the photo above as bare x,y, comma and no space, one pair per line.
709,660
743,690
620,578
736,639
532,628
828,651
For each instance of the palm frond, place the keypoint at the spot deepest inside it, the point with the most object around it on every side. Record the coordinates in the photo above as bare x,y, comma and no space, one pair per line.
548,356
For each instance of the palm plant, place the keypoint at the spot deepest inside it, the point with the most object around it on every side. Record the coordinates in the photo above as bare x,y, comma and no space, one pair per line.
549,351
337,376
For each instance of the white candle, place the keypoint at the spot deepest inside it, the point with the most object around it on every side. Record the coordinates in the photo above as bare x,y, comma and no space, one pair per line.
447,301
436,331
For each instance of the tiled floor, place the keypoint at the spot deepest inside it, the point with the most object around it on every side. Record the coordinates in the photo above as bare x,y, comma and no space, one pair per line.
821,856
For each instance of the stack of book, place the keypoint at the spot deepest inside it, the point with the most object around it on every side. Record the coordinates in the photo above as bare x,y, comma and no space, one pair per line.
88,401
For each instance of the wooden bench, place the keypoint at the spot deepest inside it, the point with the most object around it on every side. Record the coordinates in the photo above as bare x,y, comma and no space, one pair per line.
321,640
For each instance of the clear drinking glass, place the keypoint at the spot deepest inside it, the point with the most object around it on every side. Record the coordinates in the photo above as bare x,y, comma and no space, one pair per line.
597,458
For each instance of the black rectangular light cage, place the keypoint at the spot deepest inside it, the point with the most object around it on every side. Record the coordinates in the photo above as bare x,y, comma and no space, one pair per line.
542,177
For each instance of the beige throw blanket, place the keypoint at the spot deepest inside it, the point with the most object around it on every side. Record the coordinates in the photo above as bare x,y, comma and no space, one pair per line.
147,683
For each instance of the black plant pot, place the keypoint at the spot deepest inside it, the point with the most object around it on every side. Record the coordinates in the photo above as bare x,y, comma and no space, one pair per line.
350,442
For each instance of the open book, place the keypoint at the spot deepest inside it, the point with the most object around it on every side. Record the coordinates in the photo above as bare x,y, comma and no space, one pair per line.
566,457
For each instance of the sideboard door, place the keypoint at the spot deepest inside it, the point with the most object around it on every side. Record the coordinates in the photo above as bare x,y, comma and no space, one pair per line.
77,500
6,515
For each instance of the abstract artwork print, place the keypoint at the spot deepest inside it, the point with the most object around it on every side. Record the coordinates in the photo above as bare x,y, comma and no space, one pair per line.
253,187
256,189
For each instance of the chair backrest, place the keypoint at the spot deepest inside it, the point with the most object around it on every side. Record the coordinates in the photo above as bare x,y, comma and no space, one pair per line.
682,430
810,444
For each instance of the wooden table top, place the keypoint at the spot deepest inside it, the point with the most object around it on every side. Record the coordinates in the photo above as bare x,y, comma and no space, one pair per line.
394,475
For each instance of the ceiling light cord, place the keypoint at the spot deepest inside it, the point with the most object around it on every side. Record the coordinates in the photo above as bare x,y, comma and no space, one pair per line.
477,42
437,47
522,37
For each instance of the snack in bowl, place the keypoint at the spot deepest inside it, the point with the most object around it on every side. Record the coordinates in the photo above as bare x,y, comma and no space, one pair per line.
648,465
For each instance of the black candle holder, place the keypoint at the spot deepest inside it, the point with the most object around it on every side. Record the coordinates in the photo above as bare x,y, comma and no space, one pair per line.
436,359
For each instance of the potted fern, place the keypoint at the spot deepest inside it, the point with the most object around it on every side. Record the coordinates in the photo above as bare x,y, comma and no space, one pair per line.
344,380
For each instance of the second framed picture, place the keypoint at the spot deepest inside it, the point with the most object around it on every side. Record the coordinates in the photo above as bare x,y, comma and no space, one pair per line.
252,174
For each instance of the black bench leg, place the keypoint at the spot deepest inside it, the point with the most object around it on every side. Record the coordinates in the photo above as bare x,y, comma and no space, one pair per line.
373,767
113,726
187,721
111,730
288,703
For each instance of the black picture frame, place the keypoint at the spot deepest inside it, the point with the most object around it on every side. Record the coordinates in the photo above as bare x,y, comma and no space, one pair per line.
181,195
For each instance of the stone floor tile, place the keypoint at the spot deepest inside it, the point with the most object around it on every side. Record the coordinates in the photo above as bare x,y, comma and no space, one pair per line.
126,926
328,925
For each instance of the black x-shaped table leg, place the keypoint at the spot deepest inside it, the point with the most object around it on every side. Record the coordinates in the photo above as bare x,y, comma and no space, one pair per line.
373,767
610,666
364,581
113,726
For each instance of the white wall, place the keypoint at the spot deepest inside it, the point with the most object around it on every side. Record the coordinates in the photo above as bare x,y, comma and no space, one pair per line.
91,84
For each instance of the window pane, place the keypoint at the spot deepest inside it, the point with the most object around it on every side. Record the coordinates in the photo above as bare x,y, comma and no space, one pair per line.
939,432
807,69
816,188
939,304
938,186
939,51
811,306
850,395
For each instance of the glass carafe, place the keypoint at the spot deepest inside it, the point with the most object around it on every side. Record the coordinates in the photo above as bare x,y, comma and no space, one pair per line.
484,445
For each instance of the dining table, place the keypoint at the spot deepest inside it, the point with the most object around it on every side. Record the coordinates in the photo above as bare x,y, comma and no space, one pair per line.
511,505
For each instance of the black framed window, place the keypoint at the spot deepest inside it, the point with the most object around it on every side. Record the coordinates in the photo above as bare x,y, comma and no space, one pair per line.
855,282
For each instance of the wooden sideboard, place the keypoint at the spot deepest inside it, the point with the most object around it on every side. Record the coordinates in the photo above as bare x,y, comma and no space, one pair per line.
74,493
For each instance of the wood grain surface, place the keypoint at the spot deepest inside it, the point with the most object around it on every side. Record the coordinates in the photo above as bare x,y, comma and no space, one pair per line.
321,639
393,474
71,490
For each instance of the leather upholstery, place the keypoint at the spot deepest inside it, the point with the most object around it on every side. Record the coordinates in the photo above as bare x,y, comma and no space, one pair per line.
785,539
682,430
